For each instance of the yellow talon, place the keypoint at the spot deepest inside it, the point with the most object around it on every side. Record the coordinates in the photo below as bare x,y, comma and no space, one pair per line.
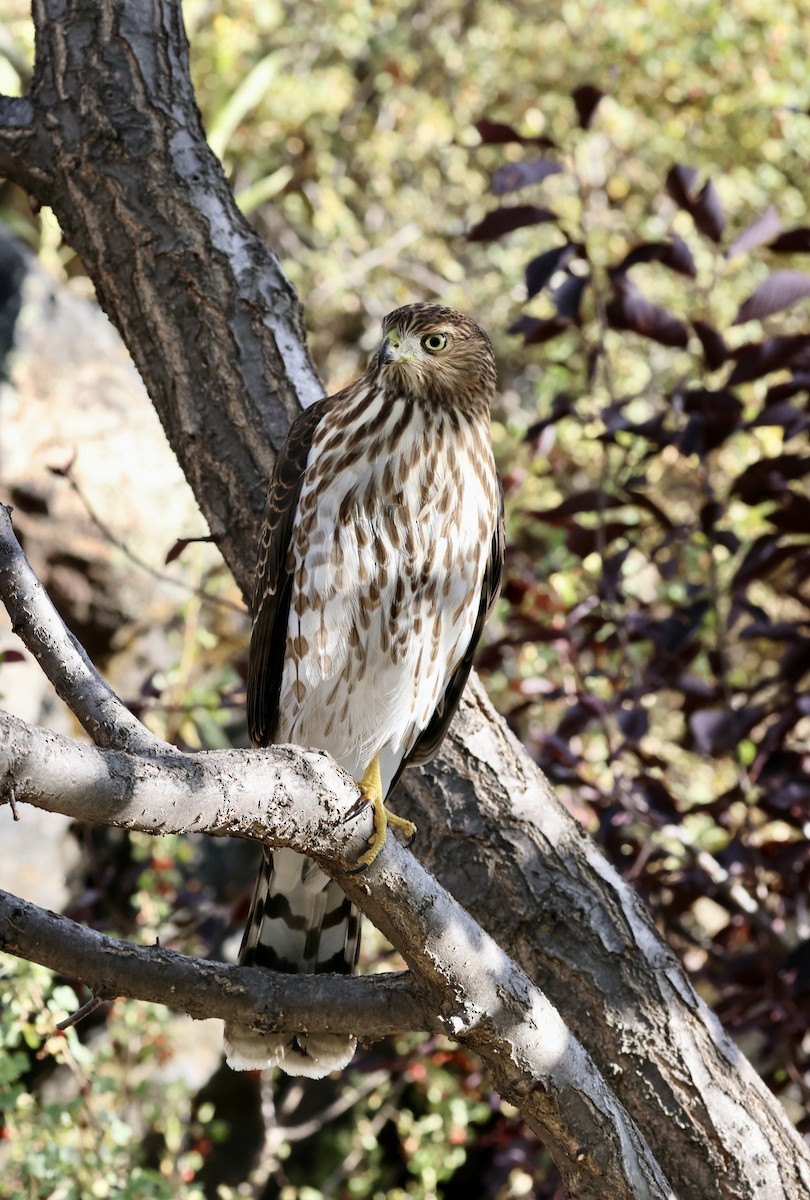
371,789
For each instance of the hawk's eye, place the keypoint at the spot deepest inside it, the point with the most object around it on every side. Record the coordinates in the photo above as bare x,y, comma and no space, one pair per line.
434,342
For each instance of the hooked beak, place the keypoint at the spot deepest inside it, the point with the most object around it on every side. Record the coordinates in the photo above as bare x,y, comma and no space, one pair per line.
392,351
387,353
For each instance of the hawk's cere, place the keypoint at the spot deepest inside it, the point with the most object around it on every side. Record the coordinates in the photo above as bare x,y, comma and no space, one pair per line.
380,557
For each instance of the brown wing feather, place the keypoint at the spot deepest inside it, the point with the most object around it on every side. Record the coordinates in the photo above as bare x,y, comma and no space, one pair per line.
273,589
432,736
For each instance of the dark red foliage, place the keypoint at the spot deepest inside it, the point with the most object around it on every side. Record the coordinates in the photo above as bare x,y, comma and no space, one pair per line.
674,254
540,270
504,220
629,309
765,226
712,417
496,133
780,290
703,207
536,331
714,346
514,176
756,359
717,641
769,478
792,241
586,100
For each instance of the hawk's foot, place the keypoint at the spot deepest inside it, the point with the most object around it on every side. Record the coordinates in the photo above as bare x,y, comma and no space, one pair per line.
371,792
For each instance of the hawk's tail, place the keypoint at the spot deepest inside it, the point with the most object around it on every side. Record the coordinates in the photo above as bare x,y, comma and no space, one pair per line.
299,920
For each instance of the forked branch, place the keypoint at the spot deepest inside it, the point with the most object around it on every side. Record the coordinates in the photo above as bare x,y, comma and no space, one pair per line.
287,796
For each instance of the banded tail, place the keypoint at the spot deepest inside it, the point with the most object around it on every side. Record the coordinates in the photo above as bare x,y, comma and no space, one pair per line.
299,921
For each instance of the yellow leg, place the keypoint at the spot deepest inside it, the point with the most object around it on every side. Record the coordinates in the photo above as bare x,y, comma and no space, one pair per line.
371,789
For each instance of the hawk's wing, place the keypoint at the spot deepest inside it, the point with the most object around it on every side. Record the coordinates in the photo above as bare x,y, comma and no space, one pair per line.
432,735
271,596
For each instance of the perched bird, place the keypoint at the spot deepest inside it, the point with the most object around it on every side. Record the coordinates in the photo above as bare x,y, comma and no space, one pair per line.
380,557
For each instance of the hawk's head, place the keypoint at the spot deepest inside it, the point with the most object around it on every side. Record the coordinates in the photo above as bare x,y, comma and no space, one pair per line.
437,355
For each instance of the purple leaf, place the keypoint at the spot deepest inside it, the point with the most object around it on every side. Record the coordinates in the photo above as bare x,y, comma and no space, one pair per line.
504,220
11,656
644,501
634,723
714,348
541,269
536,330
778,291
704,208
582,541
495,133
793,514
586,98
764,227
768,479
772,631
513,176
716,731
792,241
679,183
589,501
764,557
756,359
568,296
578,715
630,309
784,415
784,391
655,796
561,406
713,416
707,212
674,254
522,325
672,634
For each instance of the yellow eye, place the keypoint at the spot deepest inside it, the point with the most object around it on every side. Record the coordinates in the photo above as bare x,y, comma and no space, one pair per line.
434,342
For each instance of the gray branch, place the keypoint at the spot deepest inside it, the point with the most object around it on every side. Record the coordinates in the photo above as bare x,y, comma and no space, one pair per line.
287,796
290,797
63,660
375,1005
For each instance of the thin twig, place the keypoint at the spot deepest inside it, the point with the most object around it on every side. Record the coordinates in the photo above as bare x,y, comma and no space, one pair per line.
12,800
107,533
86,1009
63,659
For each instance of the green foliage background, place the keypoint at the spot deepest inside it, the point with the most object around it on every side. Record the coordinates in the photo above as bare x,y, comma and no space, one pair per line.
347,130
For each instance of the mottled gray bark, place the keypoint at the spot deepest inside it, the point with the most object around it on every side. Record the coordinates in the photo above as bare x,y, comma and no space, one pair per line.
111,138
376,1004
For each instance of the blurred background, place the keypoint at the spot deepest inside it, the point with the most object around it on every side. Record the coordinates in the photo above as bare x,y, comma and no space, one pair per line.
618,193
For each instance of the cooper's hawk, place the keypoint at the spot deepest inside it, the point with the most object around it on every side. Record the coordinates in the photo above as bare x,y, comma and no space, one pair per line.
380,558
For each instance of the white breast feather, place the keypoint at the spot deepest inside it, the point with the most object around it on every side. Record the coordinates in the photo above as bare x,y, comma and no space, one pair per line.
356,705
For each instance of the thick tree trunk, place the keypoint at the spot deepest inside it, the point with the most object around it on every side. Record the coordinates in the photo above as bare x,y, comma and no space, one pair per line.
111,138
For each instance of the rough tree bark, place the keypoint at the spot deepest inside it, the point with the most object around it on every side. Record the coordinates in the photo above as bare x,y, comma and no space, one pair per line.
110,137
460,978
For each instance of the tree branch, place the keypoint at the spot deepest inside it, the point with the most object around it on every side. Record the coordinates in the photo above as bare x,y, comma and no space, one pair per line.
376,1005
24,154
63,660
286,796
299,798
